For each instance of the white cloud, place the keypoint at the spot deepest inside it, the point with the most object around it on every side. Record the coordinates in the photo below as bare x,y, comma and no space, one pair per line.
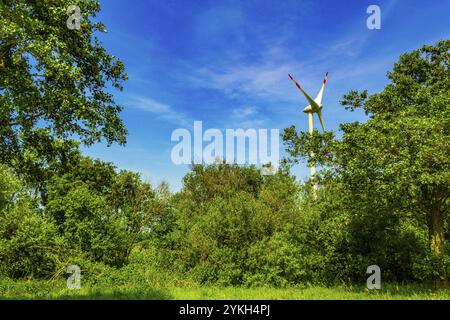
244,112
150,105
247,117
266,79
162,110
260,81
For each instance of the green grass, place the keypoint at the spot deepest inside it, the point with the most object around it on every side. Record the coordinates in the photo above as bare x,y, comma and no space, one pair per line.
56,290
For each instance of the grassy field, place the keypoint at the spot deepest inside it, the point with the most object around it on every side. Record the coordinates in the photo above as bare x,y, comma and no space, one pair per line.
56,290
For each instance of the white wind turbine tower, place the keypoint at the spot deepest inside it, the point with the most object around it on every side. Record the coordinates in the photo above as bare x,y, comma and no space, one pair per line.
315,106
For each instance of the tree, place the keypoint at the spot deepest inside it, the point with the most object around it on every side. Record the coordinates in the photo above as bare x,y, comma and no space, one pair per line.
228,221
53,80
396,165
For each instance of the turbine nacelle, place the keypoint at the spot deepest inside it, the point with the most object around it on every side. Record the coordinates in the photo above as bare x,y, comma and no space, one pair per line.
312,109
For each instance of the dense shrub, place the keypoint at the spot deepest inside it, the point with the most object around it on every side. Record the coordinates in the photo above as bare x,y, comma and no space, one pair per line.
29,244
91,216
29,241
227,238
89,225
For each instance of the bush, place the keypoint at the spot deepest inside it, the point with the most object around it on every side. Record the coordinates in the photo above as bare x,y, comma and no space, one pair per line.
230,238
276,261
29,241
87,222
29,244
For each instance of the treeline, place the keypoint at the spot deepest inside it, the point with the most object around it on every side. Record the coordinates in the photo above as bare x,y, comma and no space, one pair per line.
229,225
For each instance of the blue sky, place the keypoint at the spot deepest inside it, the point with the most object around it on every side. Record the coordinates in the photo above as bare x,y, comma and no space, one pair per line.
226,63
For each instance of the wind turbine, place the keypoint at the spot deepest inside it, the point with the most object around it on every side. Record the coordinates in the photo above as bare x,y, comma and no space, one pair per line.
315,106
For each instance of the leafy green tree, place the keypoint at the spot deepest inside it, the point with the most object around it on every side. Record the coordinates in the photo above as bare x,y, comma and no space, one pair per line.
39,163
53,80
204,183
146,213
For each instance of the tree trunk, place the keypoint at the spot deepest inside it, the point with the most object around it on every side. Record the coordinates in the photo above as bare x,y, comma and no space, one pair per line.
437,231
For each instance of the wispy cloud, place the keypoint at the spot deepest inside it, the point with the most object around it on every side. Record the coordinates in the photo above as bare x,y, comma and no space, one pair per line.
244,112
161,110
247,117
262,81
266,80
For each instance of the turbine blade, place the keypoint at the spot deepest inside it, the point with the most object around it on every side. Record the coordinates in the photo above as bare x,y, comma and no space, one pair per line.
310,100
320,94
319,114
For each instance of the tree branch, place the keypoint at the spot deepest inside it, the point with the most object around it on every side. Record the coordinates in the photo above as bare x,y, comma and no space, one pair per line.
16,123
